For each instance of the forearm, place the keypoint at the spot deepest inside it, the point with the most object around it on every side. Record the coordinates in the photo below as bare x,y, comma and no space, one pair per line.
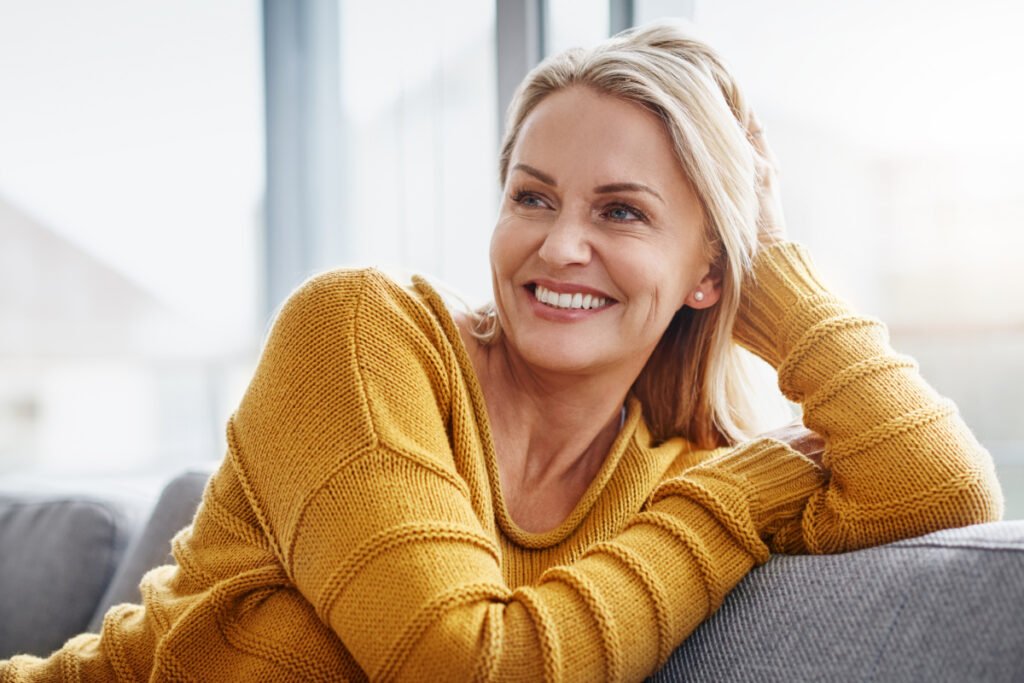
614,614
630,601
902,461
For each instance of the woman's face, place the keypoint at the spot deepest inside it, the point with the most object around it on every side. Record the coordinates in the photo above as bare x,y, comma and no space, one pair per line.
599,238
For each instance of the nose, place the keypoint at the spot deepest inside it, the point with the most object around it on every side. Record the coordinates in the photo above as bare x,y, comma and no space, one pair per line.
567,242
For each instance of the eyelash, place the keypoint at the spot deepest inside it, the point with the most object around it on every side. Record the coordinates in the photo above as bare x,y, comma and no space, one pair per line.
518,196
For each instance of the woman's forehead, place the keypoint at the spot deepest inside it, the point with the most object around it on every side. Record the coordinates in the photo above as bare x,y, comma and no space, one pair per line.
580,132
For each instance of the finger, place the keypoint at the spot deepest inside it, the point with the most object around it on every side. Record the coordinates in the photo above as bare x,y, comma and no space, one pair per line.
758,139
755,131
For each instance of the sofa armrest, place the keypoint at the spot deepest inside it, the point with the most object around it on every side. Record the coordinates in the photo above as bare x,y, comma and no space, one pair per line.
941,607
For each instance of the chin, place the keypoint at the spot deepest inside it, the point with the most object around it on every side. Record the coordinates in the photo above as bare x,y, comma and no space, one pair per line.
562,356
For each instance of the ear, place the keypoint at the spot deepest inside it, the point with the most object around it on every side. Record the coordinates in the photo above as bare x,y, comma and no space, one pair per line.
710,287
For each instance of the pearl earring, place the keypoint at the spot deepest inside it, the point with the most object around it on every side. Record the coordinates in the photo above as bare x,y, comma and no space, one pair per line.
698,295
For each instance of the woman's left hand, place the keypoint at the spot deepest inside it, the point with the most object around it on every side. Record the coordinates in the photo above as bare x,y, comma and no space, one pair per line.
771,226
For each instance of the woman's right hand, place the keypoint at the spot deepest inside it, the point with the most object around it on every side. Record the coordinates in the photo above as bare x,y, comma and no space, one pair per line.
771,225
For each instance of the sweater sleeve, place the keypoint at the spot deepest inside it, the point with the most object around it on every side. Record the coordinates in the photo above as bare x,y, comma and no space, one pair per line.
901,460
342,444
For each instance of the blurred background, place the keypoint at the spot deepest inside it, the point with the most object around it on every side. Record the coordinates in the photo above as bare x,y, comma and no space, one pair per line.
170,171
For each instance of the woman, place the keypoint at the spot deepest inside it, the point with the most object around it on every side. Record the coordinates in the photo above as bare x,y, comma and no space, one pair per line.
560,487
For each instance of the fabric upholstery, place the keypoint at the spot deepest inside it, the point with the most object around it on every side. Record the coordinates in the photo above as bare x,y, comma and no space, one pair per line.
57,555
942,607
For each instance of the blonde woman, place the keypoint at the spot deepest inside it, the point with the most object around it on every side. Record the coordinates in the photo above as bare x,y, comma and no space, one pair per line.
562,486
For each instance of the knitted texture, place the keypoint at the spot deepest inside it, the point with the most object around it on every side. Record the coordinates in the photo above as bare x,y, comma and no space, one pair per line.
356,528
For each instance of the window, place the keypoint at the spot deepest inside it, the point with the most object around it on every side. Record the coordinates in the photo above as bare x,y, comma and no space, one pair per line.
131,181
420,139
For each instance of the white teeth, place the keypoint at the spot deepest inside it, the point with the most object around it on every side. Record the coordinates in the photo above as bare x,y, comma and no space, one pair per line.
577,300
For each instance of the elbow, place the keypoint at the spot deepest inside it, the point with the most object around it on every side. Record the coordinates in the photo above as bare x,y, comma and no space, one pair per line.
973,498
982,498
475,641
446,645
973,495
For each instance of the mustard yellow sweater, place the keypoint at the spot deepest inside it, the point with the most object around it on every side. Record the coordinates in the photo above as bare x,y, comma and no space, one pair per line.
356,528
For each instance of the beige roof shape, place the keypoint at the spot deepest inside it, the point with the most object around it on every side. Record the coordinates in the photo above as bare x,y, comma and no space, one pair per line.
58,299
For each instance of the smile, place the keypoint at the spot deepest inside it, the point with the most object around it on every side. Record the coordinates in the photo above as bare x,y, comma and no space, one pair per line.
565,300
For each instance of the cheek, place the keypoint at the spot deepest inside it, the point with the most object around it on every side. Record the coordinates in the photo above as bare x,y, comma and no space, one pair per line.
643,272
670,293
499,249
657,276
510,247
493,250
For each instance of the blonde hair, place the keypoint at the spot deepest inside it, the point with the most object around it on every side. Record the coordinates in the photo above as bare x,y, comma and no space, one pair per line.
694,384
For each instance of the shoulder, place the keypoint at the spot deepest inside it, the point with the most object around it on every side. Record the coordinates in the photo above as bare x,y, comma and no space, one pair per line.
363,324
341,293
355,305
353,359
354,327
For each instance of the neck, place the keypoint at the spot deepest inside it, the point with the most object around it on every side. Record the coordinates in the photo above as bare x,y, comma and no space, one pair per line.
549,426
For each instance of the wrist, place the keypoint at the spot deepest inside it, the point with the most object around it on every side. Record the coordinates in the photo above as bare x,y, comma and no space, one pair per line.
782,288
760,484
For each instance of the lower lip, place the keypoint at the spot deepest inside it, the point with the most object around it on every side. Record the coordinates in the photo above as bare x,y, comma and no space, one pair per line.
565,315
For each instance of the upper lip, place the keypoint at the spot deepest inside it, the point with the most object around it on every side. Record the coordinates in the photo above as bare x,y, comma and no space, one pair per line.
568,288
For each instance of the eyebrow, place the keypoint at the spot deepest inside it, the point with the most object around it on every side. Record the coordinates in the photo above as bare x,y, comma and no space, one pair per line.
626,187
536,173
601,189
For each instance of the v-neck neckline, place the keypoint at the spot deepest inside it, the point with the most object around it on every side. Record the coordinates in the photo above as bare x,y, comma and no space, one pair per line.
508,526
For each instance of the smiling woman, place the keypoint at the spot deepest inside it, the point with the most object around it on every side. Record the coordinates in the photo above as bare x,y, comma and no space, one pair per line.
560,487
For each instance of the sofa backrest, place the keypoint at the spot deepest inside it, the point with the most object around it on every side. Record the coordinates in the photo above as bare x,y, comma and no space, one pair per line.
152,547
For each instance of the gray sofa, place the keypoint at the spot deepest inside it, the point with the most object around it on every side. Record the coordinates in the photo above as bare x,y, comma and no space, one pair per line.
943,607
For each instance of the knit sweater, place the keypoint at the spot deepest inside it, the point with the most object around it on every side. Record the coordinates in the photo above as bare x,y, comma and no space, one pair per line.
356,528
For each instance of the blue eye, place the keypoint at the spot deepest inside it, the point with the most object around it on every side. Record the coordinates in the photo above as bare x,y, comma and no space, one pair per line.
529,200
625,214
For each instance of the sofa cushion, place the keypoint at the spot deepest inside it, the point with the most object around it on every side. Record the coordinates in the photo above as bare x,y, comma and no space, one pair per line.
57,555
941,607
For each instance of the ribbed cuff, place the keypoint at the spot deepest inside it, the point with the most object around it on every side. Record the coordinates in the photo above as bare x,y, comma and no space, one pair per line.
782,297
764,481
780,478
